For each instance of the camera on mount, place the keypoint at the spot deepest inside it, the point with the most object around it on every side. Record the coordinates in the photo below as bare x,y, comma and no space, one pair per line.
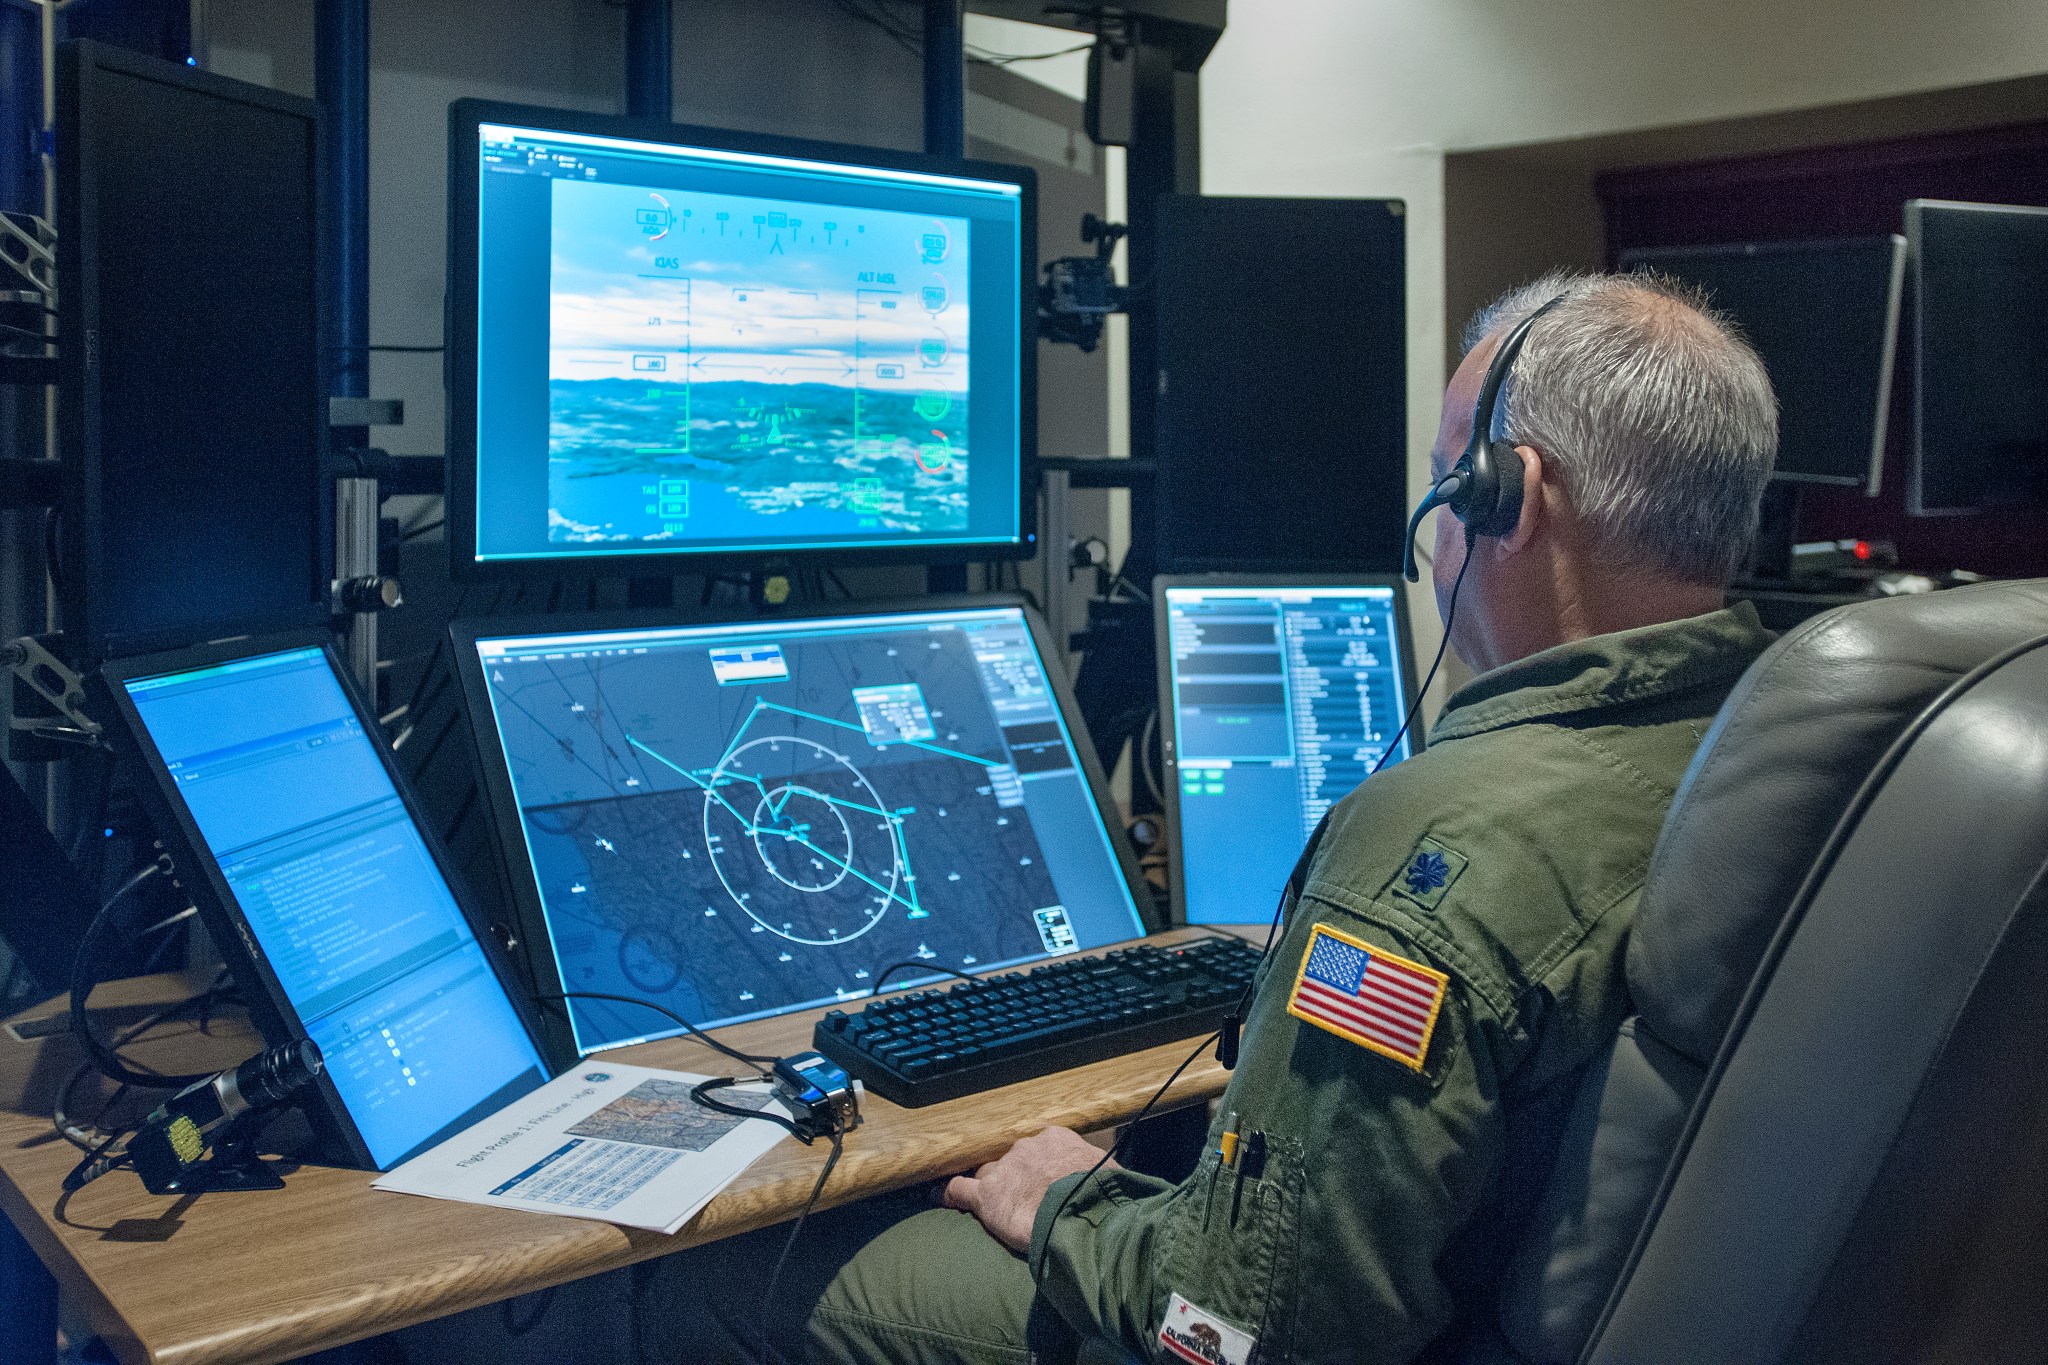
1079,291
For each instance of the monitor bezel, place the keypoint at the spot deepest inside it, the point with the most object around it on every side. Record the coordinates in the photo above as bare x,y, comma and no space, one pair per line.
1169,717
1872,479
337,1136
81,64
542,968
466,117
1916,504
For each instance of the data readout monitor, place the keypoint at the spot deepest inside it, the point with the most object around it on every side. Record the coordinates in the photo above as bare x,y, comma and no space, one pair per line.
737,820
1277,697
328,900
670,345
1823,317
1980,356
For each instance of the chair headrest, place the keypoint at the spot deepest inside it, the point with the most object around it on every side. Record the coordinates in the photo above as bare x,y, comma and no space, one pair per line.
1787,752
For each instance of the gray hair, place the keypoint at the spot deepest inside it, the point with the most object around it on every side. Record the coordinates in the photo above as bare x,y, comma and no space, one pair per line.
1653,409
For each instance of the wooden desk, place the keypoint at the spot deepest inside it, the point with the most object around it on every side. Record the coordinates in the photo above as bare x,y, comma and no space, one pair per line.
267,1276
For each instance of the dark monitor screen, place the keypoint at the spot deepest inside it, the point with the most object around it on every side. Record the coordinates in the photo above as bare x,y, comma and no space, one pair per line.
676,343
1279,697
192,403
738,820
1980,356
328,878
1824,318
1281,394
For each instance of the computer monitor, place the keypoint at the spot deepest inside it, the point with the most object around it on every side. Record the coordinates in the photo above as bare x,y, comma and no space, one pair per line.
192,404
1980,356
670,346
1277,696
316,881
1824,318
739,819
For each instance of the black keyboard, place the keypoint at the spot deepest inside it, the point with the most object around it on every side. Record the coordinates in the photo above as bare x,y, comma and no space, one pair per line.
933,1045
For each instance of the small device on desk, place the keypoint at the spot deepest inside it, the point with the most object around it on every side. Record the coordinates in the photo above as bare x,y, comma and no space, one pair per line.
319,885
740,819
1278,695
941,1044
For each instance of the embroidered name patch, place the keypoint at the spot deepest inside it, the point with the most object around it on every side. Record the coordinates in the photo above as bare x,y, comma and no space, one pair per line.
1383,1003
1194,1335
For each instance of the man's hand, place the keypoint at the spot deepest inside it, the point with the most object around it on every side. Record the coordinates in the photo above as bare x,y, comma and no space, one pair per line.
1005,1193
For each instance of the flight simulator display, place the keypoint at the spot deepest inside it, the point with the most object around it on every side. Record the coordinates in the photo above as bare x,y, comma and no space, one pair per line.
1823,316
706,346
328,899
1980,361
739,820
1278,698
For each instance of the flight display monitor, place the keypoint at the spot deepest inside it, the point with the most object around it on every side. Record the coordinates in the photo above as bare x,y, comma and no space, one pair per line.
735,821
329,899
673,344
1823,317
1278,697
1980,356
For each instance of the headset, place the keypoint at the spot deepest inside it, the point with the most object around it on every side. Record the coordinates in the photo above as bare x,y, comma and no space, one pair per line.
1484,488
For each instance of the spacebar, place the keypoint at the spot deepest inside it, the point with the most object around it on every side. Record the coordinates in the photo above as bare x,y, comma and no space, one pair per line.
1013,1043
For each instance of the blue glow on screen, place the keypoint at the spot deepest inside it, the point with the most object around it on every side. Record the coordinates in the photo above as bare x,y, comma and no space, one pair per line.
351,912
685,350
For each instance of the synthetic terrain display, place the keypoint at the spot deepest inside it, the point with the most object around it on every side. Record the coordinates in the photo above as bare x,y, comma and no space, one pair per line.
740,820
765,366
685,348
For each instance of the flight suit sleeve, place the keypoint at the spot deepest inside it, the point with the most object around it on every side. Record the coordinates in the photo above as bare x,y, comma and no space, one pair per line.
1325,1245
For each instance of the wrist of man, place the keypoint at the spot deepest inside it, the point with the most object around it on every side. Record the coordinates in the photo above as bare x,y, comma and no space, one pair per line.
1114,1184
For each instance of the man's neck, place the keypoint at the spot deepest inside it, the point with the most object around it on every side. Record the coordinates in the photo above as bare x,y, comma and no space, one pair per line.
1567,604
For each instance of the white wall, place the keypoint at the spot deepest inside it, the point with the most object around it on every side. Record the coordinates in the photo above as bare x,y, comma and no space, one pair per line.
1364,97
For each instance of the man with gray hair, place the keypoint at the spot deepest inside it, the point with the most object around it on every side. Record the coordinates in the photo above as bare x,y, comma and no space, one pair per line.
1452,953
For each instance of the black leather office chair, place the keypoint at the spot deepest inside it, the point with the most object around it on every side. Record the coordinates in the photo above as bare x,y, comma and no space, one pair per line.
1824,1136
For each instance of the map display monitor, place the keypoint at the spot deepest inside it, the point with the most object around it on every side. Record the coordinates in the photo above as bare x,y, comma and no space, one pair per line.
672,343
736,821
1278,697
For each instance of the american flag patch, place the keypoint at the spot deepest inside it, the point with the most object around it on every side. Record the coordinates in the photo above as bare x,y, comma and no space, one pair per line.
1381,1002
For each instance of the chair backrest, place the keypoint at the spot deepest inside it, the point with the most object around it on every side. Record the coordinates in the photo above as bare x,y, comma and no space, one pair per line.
1749,851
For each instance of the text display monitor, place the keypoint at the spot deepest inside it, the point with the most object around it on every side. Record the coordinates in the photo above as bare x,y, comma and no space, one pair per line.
1279,698
740,820
356,935
683,343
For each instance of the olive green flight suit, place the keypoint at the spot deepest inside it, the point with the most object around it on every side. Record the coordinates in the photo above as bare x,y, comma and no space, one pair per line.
1508,856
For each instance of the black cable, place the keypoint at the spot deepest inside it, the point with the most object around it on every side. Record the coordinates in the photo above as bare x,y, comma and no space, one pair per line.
896,967
1127,1129
416,532
52,565
1238,1014
82,983
44,337
700,1093
760,1064
788,1243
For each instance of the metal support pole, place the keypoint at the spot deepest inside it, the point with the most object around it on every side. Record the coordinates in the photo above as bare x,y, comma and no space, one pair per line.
650,59
341,64
945,134
945,79
1053,552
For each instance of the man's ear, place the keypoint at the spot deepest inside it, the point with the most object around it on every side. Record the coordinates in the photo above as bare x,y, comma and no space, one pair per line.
1532,501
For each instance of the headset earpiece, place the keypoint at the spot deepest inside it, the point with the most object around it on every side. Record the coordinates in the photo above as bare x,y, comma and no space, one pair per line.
1485,485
